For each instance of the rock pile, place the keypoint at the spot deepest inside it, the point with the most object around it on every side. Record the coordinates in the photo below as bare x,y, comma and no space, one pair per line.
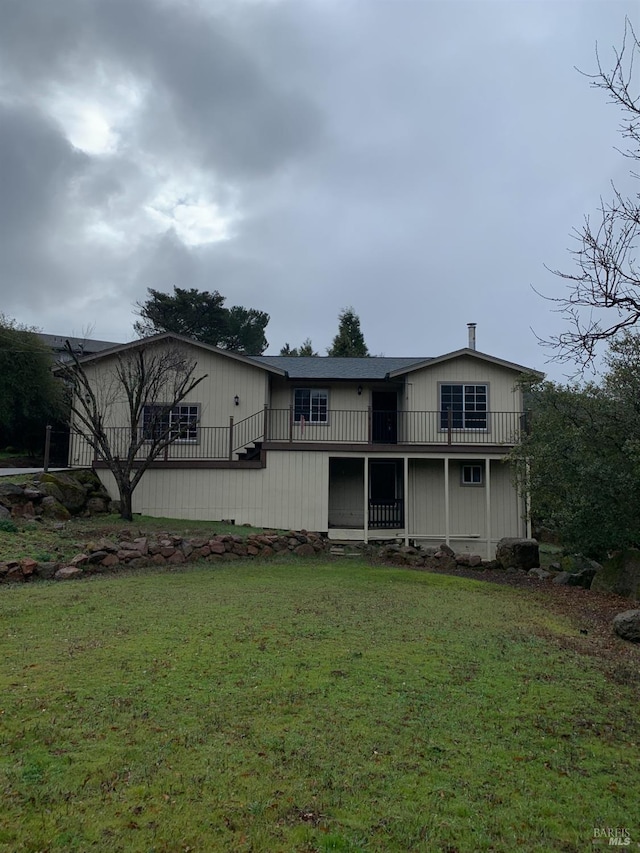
442,557
56,496
165,549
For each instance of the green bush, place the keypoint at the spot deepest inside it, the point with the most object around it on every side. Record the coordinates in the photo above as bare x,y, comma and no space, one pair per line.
7,526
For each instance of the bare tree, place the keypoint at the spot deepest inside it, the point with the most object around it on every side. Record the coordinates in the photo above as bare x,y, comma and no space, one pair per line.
604,291
140,389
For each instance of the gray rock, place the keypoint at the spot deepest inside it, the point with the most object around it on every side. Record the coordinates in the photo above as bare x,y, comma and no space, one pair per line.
52,508
620,574
627,625
583,578
67,572
519,553
562,578
541,574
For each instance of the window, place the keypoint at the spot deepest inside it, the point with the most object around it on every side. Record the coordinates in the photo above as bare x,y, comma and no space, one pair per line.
467,404
180,423
471,475
312,404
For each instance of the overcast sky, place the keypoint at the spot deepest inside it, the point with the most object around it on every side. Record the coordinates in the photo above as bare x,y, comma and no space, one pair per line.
420,161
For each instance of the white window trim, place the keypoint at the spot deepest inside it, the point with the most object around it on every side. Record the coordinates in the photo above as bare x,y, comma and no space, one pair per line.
309,420
485,428
172,415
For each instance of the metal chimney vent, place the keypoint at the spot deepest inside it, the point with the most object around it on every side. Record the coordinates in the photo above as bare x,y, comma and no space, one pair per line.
472,335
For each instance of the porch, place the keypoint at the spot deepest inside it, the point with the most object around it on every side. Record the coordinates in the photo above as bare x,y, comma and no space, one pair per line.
464,501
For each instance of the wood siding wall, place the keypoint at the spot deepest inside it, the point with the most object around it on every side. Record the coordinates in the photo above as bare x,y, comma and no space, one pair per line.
291,493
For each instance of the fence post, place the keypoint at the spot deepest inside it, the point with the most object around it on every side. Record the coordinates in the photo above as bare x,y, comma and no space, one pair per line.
47,448
449,425
266,422
230,438
290,424
369,425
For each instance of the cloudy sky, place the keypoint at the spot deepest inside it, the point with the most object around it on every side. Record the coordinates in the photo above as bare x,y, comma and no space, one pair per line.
420,161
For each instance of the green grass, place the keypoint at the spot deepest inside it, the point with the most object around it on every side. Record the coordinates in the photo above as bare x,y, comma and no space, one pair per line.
304,706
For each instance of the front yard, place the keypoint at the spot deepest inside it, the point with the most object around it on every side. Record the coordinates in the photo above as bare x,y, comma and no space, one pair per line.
309,706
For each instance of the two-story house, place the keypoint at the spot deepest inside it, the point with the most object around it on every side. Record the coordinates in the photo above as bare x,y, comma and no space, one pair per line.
359,448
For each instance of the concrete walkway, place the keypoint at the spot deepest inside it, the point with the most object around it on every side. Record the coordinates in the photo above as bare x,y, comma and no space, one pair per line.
12,472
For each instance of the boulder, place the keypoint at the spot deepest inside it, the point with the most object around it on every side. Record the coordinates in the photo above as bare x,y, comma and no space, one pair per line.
627,625
583,578
52,508
562,578
97,505
64,488
577,563
518,553
541,574
67,572
620,574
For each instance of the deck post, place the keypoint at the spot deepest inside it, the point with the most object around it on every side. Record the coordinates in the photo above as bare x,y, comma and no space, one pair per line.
230,438
487,486
266,422
405,497
447,530
366,500
449,427
369,425
290,424
47,448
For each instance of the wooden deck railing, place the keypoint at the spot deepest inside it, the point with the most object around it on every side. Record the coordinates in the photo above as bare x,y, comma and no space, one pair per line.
357,427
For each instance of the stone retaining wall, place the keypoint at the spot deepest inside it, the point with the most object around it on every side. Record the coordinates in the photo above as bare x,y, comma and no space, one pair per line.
165,549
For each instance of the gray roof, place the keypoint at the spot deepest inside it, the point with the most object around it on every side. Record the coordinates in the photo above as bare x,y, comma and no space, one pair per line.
325,367
84,346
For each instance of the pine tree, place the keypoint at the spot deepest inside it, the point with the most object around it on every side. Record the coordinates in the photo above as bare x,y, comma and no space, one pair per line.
349,342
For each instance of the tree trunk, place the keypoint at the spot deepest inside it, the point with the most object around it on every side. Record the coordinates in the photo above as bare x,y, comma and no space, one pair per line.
125,504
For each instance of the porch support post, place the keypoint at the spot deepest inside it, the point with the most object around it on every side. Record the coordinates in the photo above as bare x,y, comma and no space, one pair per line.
366,500
527,506
447,520
405,498
487,494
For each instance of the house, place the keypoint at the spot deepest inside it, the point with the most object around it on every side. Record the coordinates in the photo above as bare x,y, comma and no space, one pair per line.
359,448
80,346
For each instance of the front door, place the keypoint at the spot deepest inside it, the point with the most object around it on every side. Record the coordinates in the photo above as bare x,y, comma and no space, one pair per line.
384,427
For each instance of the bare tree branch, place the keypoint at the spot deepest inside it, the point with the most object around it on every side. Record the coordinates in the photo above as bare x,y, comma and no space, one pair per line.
147,376
603,291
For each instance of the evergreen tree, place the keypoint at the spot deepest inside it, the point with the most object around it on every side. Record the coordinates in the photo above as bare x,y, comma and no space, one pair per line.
30,396
349,342
202,316
305,349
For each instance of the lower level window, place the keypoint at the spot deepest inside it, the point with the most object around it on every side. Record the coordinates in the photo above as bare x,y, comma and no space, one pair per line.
472,475
312,404
179,423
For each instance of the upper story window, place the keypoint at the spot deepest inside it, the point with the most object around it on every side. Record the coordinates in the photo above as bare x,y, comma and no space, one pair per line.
180,423
312,404
467,404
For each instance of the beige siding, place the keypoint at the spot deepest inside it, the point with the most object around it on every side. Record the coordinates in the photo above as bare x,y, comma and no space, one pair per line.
426,515
467,505
291,492
422,392
507,507
225,378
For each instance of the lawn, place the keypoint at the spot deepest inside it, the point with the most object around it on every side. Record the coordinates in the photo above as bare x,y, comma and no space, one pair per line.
305,706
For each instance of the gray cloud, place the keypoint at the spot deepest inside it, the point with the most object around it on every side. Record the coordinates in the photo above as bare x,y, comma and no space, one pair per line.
420,161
